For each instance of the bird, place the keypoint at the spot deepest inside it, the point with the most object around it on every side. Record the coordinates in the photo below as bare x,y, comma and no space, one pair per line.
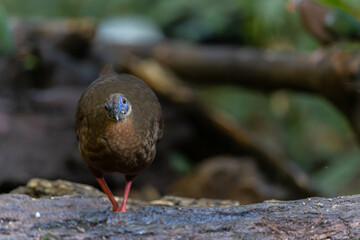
118,122
327,24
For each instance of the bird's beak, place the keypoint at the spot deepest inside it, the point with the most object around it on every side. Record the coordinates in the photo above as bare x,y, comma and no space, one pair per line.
120,113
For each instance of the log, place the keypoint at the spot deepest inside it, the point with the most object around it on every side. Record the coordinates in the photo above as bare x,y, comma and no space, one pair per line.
82,217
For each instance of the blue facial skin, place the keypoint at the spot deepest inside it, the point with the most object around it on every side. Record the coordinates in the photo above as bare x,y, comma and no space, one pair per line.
118,111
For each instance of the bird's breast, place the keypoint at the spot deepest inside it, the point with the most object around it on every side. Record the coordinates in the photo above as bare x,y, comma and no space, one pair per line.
128,142
121,136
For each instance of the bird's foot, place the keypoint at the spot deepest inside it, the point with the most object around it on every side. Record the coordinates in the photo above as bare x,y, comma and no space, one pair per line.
119,209
123,207
126,194
116,208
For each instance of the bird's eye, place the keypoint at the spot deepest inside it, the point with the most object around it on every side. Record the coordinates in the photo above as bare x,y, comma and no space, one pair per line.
123,101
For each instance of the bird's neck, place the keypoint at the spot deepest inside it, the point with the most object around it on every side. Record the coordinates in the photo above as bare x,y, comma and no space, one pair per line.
121,130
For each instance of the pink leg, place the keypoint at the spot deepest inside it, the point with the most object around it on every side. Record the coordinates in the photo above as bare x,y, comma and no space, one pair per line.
126,194
107,191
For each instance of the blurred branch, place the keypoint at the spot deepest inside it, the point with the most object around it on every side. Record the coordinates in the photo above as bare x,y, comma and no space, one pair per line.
164,82
262,69
331,73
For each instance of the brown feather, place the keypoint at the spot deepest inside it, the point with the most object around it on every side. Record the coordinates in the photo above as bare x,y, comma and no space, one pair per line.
125,146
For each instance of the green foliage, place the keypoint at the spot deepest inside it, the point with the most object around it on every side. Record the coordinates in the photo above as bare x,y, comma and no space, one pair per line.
338,177
5,35
179,163
344,24
30,62
350,6
257,22
308,129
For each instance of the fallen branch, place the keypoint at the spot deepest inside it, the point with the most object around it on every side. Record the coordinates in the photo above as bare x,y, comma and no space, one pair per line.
80,217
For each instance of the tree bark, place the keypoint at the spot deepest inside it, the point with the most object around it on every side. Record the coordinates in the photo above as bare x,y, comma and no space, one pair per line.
81,217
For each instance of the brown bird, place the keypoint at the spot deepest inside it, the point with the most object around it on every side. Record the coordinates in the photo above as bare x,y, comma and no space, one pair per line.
118,122
327,24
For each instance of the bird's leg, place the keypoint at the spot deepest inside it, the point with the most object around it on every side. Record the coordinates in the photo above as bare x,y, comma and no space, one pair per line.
129,180
108,192
126,194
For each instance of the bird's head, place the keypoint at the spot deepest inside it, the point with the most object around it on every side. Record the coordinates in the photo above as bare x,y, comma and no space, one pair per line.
118,107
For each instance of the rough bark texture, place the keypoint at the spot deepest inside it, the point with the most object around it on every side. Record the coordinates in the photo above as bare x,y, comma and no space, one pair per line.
81,217
38,187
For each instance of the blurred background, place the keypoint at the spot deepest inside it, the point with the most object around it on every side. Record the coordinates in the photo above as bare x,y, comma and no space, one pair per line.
223,139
